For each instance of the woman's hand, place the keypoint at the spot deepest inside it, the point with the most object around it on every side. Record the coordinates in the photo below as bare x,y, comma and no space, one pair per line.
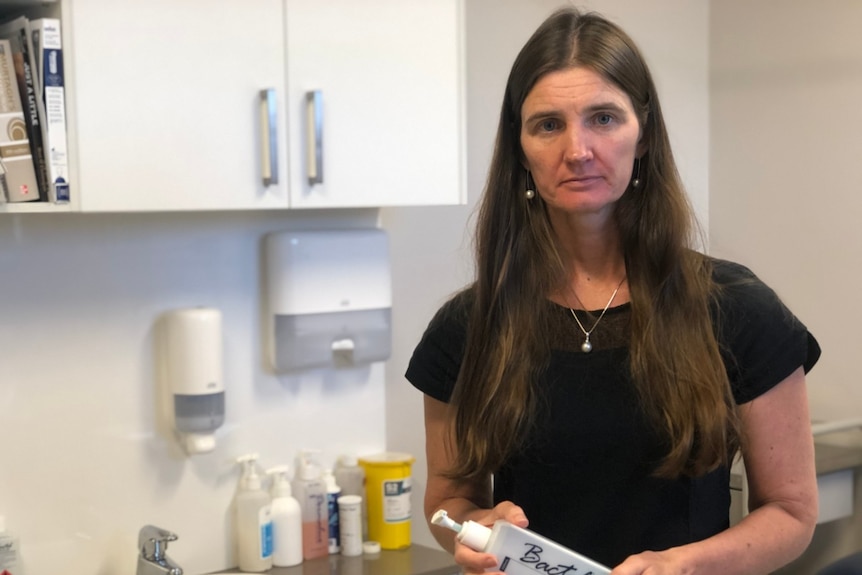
475,562
670,562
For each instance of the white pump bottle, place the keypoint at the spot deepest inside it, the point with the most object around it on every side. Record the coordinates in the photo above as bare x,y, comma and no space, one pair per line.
520,551
253,519
286,520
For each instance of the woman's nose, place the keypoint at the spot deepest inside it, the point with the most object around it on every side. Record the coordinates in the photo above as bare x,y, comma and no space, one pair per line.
578,148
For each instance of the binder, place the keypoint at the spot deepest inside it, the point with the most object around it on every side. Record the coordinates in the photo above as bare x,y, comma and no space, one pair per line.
48,56
18,178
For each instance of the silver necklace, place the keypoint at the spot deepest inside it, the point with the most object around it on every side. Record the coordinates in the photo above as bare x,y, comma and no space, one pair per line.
587,347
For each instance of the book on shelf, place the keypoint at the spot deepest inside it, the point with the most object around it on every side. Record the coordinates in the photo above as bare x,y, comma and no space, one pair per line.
18,178
48,55
17,32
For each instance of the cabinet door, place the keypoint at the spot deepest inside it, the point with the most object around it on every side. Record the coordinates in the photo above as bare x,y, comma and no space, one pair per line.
390,79
167,109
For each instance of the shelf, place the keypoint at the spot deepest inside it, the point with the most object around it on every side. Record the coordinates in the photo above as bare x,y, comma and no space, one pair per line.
35,208
25,3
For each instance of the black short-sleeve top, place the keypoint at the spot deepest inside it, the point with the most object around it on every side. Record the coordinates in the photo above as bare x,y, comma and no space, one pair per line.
584,478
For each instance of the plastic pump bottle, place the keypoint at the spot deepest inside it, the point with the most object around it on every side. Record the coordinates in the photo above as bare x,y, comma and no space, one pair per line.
333,491
310,490
286,520
253,519
520,551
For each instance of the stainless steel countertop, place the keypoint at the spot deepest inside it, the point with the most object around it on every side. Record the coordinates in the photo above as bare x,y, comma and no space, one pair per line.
830,457
414,560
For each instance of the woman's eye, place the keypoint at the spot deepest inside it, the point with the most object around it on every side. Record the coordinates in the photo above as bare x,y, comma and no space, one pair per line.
548,125
604,119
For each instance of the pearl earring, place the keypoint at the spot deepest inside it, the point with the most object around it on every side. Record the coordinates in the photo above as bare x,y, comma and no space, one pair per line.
530,193
636,181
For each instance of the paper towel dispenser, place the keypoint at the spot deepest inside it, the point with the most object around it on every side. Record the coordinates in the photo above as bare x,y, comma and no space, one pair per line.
329,298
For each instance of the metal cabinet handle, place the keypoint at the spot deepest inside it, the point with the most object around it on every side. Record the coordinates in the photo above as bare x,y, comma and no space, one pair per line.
269,137
314,136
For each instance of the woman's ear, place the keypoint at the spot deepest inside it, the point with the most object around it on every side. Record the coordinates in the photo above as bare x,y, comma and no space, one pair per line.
642,147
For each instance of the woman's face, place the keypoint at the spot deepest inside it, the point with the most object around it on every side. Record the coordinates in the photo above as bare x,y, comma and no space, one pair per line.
580,135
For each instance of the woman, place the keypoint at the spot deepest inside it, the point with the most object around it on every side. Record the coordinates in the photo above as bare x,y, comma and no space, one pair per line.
600,370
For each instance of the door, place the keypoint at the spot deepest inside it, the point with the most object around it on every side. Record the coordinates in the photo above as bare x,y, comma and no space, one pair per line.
166,104
388,80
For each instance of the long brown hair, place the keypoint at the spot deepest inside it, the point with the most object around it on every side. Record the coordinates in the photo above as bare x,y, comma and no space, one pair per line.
675,359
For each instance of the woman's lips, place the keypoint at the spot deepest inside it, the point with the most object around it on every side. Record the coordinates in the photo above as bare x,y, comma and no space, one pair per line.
580,181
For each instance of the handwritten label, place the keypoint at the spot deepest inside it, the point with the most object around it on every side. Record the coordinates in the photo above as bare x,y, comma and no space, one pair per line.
532,558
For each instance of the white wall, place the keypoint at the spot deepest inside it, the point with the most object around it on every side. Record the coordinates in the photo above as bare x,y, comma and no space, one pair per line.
786,87
84,463
785,168
432,246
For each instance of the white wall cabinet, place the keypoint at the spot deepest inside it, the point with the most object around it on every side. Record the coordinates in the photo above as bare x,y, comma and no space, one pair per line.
165,113
389,74
165,102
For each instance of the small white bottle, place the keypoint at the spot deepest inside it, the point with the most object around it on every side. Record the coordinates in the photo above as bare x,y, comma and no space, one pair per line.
519,551
310,490
253,519
9,552
333,491
350,524
350,477
286,520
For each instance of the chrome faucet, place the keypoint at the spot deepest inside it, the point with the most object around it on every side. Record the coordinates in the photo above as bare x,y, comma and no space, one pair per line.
152,543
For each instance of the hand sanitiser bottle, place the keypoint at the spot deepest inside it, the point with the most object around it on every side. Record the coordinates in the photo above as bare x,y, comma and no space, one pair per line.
286,521
310,490
253,519
520,551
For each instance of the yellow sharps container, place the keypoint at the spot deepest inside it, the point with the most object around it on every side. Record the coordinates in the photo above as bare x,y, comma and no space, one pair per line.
388,487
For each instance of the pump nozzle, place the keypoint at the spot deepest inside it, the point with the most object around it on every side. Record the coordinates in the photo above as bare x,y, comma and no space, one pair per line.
442,519
472,534
249,479
248,457
281,470
280,484
307,469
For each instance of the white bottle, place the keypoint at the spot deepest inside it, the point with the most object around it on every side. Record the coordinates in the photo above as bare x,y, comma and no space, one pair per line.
310,490
350,477
350,524
253,519
519,551
333,491
286,521
9,552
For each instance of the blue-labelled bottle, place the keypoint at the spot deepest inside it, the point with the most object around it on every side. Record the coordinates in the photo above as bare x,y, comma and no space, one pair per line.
520,551
333,491
254,520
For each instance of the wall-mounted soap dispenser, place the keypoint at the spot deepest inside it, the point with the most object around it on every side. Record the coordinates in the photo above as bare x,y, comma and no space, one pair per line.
329,298
193,354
